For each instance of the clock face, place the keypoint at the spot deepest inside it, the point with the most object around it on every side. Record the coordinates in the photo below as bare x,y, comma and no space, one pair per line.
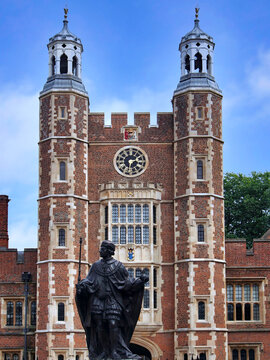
130,161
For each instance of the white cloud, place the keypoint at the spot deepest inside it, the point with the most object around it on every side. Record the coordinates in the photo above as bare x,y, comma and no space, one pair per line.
19,135
144,100
259,75
22,235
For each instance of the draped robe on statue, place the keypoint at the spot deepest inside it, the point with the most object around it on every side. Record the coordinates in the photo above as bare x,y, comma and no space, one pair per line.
108,290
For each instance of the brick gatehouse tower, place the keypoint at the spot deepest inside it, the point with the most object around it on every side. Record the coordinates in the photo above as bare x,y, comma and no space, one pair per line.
154,191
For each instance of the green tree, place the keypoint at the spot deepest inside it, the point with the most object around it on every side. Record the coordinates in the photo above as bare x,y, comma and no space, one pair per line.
247,205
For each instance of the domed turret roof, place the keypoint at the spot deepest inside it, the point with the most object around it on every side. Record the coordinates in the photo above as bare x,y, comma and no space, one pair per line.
196,33
65,34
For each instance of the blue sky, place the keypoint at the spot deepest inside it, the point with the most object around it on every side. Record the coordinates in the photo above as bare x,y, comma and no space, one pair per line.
130,63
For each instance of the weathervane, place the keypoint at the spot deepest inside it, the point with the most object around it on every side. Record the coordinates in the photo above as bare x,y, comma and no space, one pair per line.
66,12
197,12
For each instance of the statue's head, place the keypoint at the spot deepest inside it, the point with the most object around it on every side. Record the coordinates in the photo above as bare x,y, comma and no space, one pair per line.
107,248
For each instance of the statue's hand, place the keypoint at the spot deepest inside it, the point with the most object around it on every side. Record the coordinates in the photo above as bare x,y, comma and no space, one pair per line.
144,277
80,288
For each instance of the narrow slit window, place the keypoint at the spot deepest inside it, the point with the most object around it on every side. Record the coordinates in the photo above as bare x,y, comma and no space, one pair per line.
106,215
201,310
199,113
199,169
62,170
62,237
200,233
61,311
155,299
154,235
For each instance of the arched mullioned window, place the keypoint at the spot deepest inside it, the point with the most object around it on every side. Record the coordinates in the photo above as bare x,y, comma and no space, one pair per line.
201,310
63,64
187,63
209,64
235,354
199,169
198,62
61,237
62,170
61,312
75,66
53,64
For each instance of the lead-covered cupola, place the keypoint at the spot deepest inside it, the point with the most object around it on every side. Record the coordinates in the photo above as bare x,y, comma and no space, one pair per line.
197,50
65,58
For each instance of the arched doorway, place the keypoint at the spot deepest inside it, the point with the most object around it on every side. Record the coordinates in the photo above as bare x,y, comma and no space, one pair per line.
140,350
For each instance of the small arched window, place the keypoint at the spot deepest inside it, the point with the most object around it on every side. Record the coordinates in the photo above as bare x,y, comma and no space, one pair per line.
60,357
251,354
243,354
53,64
15,357
187,64
199,169
61,237
201,310
235,354
202,356
238,311
63,64
209,64
230,311
75,66
61,312
200,233
62,166
33,313
247,311
198,62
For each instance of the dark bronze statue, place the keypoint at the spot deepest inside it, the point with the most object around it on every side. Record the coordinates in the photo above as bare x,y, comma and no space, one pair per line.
109,304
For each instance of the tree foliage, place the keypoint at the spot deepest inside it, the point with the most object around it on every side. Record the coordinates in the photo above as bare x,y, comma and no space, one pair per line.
247,205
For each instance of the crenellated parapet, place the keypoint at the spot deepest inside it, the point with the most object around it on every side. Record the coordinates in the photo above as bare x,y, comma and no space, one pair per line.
119,128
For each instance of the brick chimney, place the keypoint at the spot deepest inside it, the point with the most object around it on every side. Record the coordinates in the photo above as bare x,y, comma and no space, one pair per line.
4,221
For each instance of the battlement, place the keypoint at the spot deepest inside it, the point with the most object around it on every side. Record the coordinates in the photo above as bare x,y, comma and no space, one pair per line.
238,254
144,129
13,263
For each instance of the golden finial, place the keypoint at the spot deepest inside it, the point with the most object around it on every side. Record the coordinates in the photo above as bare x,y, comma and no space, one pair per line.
197,12
66,12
